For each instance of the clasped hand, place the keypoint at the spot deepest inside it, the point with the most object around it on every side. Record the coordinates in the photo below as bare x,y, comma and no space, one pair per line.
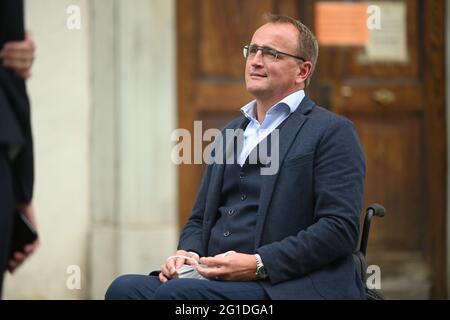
231,266
19,56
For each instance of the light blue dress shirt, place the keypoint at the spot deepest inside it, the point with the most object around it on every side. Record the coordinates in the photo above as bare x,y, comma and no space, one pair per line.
256,132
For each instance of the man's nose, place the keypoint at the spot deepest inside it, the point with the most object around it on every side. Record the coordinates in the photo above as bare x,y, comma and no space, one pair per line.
257,59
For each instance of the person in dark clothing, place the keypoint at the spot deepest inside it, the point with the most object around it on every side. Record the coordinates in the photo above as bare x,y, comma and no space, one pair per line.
16,142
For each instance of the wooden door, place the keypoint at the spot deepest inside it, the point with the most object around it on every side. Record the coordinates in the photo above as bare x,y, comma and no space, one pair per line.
403,134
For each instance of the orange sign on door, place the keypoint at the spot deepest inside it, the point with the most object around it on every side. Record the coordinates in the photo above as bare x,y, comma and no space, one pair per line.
341,24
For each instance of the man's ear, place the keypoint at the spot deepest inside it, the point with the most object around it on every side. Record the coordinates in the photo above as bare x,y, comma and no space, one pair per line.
304,70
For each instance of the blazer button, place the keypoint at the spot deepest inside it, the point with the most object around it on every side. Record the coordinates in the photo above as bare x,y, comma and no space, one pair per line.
226,234
241,174
243,197
231,212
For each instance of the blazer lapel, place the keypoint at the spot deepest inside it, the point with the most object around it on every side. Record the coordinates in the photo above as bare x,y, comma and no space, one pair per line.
287,134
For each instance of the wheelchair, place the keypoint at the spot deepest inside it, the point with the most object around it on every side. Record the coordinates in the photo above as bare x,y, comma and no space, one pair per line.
359,256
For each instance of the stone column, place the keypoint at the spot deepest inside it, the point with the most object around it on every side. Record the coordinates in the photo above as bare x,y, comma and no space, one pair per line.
133,181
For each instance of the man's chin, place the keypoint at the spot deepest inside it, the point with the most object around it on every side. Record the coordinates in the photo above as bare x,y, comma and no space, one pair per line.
256,90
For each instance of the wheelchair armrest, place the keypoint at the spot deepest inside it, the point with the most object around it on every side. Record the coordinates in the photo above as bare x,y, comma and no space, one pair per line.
373,210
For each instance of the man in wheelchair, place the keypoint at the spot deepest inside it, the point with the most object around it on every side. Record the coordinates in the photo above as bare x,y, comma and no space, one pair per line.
290,234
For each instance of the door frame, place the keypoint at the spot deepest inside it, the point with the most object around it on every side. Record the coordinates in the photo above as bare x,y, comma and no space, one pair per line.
436,141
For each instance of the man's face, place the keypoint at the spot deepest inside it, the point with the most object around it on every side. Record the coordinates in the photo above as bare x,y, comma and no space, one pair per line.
273,80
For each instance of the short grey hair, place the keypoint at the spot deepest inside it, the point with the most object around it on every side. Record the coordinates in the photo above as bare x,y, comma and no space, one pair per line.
308,47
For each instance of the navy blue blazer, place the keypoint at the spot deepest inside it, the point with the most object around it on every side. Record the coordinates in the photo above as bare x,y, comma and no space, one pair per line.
309,211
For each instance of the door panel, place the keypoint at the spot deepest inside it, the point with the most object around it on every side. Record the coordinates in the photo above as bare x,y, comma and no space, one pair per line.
220,55
393,167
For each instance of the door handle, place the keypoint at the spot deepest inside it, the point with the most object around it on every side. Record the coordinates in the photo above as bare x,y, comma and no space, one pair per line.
384,96
346,91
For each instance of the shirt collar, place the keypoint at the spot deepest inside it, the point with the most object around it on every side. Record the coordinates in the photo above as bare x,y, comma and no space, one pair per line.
292,101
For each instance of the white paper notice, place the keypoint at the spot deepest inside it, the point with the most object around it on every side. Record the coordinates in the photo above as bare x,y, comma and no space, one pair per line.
389,43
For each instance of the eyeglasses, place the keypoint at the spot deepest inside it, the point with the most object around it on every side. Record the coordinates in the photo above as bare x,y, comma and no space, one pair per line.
268,53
